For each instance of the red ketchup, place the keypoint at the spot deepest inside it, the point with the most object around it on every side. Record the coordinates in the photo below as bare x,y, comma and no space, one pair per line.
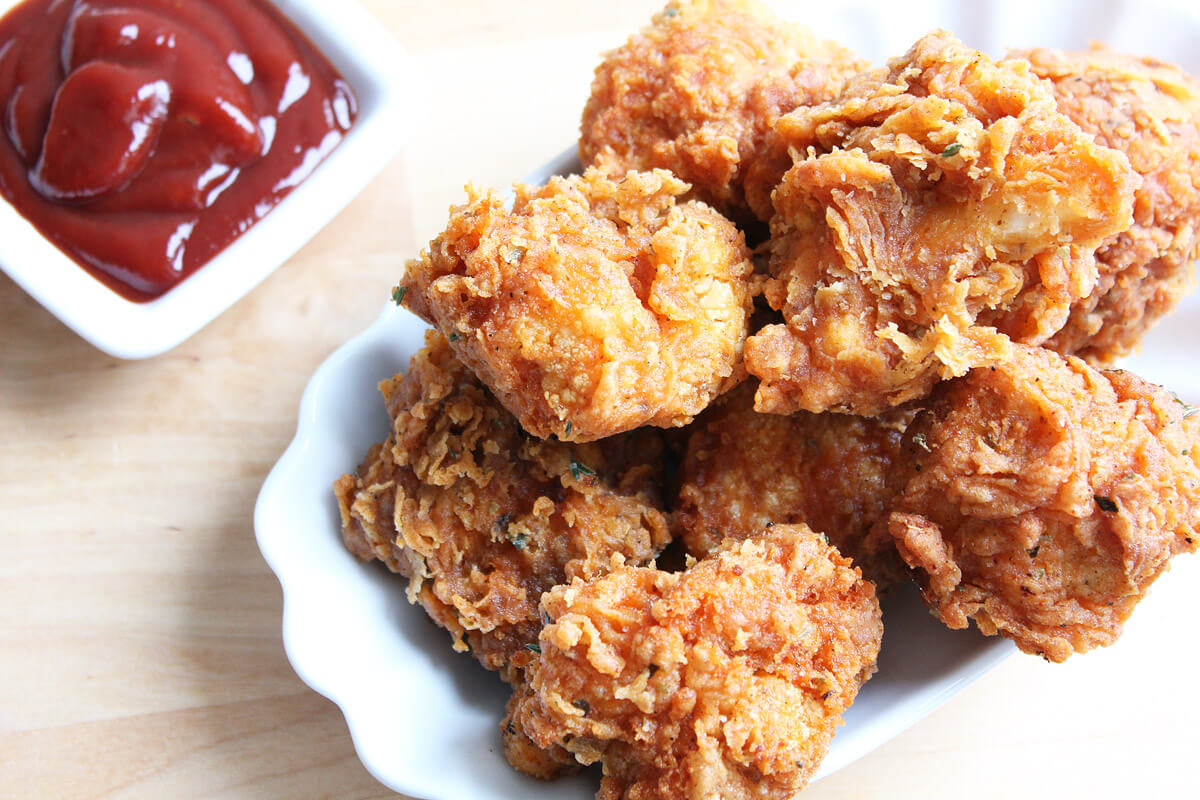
143,136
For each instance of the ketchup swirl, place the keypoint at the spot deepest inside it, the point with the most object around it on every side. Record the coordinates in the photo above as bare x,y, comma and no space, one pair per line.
143,136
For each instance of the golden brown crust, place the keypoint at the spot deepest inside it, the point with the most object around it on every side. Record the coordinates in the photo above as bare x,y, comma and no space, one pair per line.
940,206
595,306
1150,111
1043,497
545,764
482,518
697,93
744,471
725,680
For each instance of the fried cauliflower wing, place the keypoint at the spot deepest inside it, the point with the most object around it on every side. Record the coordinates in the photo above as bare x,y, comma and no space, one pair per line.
697,93
744,471
482,518
726,680
1043,497
1150,111
545,764
940,207
595,305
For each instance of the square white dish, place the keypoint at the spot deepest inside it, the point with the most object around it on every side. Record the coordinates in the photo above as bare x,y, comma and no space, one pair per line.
425,720
373,64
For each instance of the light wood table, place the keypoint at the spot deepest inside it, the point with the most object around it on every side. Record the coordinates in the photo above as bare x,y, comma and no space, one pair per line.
140,653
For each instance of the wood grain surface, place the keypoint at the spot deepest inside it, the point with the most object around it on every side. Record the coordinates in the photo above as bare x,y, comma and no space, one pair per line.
140,652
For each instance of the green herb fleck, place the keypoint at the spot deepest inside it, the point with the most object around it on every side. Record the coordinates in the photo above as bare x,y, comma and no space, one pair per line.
921,441
398,294
513,255
567,432
1039,573
1188,410
580,470
670,12
1105,503
516,539
454,337
536,648
1037,547
952,150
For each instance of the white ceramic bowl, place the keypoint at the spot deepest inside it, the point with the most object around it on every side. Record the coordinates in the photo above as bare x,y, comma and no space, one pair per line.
424,720
373,64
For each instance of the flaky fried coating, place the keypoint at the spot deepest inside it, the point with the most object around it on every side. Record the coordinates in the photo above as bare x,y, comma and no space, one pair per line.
698,91
726,680
545,764
744,471
1043,497
482,518
945,207
596,305
1150,111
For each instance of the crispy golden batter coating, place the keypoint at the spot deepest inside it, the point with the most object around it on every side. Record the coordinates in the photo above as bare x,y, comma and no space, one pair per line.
595,306
726,680
1043,497
697,92
744,471
944,197
482,518
1151,112
520,751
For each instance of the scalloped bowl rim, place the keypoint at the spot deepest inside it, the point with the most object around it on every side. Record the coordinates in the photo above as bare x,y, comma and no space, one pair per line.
866,728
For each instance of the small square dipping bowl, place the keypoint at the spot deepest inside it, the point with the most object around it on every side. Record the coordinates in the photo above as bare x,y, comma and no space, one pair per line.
374,65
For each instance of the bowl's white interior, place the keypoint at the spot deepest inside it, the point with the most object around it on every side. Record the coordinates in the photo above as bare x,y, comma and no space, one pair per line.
424,719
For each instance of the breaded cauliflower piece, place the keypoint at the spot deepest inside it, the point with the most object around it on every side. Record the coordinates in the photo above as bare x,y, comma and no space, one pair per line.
482,518
545,764
1150,111
942,207
595,306
1042,498
726,680
744,471
698,91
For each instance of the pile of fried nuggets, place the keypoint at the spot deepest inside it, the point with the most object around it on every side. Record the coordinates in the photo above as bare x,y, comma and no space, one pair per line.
903,378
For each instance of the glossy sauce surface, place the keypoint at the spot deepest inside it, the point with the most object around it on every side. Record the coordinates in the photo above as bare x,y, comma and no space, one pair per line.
143,136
